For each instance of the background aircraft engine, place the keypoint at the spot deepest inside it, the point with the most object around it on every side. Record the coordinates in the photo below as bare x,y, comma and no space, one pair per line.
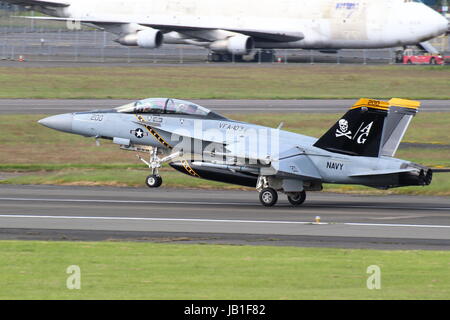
148,38
239,45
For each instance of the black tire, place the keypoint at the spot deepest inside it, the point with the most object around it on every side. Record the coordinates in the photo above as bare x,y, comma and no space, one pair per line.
215,57
409,62
153,181
399,57
298,198
268,197
432,61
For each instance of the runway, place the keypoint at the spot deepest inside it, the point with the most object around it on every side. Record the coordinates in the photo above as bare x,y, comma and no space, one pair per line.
232,217
49,106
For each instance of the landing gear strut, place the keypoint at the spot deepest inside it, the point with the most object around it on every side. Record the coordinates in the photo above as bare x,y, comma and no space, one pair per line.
267,195
154,180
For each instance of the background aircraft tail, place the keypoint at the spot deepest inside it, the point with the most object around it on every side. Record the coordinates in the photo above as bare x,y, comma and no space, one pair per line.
371,128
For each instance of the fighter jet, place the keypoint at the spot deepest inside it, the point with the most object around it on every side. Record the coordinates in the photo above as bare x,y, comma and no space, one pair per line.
358,149
233,28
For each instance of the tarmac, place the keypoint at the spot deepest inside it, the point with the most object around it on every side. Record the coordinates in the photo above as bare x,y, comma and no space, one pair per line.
225,217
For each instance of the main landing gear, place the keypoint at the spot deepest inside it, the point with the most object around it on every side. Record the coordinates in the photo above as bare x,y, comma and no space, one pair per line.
268,196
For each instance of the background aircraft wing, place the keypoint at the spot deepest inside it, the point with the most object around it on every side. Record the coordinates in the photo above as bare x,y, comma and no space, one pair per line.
46,3
190,28
271,35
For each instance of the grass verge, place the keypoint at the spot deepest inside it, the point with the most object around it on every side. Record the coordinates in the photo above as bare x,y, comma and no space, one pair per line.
228,82
131,177
130,270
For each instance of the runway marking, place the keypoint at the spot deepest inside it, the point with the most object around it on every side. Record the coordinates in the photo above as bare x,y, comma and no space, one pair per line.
401,217
127,201
335,205
223,221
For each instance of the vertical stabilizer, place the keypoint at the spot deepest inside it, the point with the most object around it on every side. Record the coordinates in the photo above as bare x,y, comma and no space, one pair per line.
359,131
399,117
371,128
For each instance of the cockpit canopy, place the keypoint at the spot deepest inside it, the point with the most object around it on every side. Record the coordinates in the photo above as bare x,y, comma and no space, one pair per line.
166,106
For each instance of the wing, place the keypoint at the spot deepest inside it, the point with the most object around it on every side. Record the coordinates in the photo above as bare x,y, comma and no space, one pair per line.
279,160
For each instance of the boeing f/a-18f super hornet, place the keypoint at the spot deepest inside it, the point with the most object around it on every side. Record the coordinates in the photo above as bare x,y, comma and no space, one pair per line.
358,149
235,27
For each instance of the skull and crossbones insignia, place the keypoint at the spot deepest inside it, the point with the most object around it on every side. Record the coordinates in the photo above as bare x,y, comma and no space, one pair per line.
343,131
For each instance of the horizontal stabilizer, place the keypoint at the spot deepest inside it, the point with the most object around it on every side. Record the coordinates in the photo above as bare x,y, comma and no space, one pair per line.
443,170
380,172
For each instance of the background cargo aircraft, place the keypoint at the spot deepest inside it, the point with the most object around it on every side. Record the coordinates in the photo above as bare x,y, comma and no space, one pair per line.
235,27
358,149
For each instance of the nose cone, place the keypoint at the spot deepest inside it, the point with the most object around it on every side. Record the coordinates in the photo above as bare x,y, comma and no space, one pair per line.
432,23
438,23
444,25
61,122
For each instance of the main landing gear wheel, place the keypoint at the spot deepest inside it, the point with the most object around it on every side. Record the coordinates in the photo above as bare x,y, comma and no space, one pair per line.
297,199
153,181
268,197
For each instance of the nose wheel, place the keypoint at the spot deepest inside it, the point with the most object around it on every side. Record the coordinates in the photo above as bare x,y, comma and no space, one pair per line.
153,181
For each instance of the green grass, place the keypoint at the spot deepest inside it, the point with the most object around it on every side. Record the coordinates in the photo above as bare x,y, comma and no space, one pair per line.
130,270
130,177
230,82
118,176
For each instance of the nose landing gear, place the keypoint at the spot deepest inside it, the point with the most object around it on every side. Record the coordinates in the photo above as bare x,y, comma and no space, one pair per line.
154,180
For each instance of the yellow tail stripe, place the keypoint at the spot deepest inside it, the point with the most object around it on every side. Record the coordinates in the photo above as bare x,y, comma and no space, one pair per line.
383,105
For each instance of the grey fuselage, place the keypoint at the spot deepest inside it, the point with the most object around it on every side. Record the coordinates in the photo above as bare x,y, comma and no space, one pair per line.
280,154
